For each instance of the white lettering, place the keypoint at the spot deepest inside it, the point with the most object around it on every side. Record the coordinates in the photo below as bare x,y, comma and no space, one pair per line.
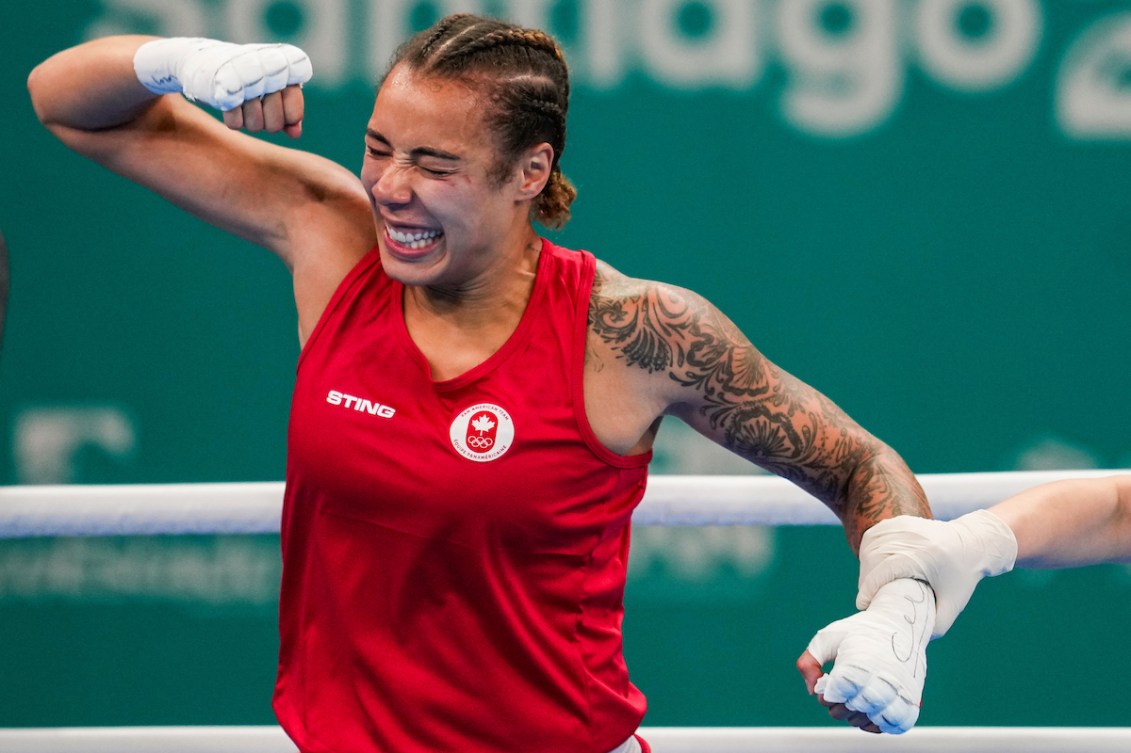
977,60
325,24
532,13
842,81
390,25
360,404
603,46
1092,100
727,52
49,441
181,19
699,554
227,571
845,61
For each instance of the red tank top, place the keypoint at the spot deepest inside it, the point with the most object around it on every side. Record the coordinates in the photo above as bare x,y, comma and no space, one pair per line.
454,552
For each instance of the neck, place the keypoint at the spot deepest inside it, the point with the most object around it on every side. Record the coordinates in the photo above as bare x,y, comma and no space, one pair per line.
458,329
498,293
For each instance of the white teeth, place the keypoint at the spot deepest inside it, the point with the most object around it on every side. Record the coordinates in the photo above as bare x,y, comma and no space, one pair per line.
413,240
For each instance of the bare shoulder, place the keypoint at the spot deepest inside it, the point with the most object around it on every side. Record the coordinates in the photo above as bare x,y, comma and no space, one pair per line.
703,369
324,235
330,205
690,361
656,326
655,349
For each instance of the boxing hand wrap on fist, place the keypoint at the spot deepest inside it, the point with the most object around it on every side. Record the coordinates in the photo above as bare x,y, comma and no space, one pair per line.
880,656
951,556
220,74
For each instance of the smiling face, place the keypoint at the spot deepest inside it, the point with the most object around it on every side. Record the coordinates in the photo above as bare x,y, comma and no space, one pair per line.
444,219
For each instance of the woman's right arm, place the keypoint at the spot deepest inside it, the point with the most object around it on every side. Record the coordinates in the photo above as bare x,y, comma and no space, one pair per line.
1070,523
286,200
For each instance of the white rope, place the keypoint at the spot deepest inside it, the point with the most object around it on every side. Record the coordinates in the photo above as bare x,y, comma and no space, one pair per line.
662,740
150,509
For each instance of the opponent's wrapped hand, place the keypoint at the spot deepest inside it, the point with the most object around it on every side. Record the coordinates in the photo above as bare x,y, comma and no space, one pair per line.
879,659
951,556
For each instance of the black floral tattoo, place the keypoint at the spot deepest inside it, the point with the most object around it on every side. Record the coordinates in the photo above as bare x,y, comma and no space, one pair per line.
758,411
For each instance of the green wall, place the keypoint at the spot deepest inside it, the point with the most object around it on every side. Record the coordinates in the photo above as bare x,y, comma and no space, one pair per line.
918,206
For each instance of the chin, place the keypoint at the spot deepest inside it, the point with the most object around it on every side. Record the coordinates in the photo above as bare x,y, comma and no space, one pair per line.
424,271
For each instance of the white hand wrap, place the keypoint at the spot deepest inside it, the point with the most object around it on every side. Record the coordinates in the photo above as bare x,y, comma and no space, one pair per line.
880,656
219,74
952,556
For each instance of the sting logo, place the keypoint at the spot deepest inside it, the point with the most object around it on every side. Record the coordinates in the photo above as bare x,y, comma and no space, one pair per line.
360,404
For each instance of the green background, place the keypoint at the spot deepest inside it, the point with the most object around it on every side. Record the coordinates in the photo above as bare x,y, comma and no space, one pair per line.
953,273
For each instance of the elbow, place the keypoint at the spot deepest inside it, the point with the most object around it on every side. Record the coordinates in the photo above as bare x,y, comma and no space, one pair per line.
40,89
53,99
1123,489
35,88
1123,500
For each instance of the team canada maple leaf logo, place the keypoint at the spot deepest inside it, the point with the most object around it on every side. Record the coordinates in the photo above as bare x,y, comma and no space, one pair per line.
482,432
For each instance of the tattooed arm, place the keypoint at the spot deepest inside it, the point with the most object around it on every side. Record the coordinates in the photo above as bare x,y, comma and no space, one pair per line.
700,368
682,357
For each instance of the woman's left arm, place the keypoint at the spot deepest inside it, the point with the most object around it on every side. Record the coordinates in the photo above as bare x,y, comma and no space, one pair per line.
706,372
716,381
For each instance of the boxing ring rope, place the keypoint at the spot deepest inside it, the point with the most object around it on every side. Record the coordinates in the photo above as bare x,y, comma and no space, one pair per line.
249,508
662,740
254,507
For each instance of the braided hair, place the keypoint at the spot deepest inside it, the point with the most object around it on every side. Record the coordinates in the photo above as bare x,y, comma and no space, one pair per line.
526,80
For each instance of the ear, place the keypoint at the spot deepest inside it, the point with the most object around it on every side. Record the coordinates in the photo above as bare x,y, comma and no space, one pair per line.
534,170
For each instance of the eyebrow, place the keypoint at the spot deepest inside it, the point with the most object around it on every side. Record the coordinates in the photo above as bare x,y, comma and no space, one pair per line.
420,151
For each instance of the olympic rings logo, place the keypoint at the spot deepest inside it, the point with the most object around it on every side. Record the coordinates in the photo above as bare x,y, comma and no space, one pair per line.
480,443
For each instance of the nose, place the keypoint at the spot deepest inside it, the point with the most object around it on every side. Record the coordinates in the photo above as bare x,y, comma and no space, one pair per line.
393,186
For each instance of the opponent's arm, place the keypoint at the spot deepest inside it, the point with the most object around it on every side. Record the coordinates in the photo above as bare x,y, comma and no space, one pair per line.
93,98
1058,524
1070,523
